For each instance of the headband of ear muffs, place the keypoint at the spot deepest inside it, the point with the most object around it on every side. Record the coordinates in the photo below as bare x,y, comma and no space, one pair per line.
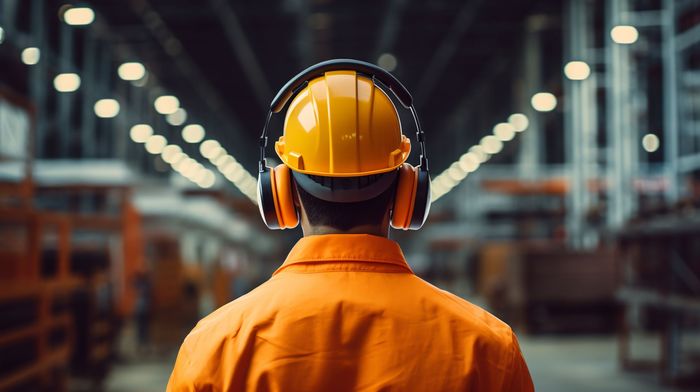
412,197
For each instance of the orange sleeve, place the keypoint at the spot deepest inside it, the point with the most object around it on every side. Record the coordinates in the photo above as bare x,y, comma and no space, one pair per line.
519,375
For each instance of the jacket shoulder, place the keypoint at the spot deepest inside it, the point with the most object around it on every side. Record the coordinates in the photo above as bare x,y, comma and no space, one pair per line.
489,328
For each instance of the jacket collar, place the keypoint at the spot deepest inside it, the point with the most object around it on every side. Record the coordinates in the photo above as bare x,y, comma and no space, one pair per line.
346,249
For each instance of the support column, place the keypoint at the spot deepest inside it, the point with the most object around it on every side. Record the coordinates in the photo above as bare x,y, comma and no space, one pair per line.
670,100
38,73
621,137
65,57
579,124
531,141
88,139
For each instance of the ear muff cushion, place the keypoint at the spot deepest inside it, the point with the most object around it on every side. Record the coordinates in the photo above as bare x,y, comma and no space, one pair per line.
404,197
286,211
422,198
266,200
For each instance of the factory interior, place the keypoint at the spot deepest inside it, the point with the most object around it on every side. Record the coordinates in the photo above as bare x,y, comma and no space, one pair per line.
564,138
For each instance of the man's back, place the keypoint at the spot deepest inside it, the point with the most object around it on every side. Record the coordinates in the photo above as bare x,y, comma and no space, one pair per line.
345,313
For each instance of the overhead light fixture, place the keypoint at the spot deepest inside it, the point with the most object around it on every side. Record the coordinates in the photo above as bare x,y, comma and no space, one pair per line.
106,108
2,35
479,152
131,71
177,118
139,133
469,162
650,142
166,104
193,133
387,61
209,148
155,144
544,102
30,55
79,16
66,82
519,121
170,152
224,160
577,70
491,144
504,131
624,34
208,180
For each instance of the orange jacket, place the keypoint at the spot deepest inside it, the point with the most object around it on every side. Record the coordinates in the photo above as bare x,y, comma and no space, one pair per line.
346,313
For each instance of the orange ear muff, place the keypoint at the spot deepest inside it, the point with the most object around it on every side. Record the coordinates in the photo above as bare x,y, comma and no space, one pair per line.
412,198
404,197
275,199
286,212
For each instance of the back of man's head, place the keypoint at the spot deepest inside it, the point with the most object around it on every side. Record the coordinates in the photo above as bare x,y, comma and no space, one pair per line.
344,216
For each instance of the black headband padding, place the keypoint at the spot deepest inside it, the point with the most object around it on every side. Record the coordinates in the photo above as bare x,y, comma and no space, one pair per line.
293,86
345,189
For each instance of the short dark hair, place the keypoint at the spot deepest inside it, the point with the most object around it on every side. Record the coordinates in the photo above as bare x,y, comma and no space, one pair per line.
345,216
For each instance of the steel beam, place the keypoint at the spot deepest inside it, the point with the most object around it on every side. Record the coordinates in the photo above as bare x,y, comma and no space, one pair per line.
187,67
236,37
447,48
390,28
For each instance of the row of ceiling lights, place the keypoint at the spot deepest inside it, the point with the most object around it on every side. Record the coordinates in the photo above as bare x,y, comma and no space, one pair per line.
542,102
167,105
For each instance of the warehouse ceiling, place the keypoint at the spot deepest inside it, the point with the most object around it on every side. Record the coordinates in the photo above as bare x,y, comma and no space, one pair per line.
226,59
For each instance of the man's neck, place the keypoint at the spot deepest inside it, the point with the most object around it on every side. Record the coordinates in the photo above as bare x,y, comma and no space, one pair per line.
365,229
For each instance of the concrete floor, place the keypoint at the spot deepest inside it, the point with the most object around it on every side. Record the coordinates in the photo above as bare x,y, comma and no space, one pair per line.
571,364
578,364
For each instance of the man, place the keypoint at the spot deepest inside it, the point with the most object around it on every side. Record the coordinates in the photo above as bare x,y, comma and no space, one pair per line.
345,312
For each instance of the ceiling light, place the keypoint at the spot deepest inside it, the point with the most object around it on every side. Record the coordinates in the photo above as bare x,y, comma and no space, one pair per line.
519,121
387,61
177,118
624,34
66,82
131,71
650,142
469,162
155,144
209,148
184,164
31,55
79,16
192,170
2,35
166,104
504,131
171,152
207,180
577,70
491,144
106,108
193,133
456,172
224,160
544,102
479,152
140,133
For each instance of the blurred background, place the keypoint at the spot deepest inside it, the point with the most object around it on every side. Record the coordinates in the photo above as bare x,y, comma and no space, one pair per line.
564,139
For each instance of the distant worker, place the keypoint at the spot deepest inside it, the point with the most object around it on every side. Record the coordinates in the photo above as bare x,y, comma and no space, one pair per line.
345,312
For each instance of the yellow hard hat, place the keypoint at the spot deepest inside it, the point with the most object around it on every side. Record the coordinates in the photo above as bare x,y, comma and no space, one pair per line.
342,125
